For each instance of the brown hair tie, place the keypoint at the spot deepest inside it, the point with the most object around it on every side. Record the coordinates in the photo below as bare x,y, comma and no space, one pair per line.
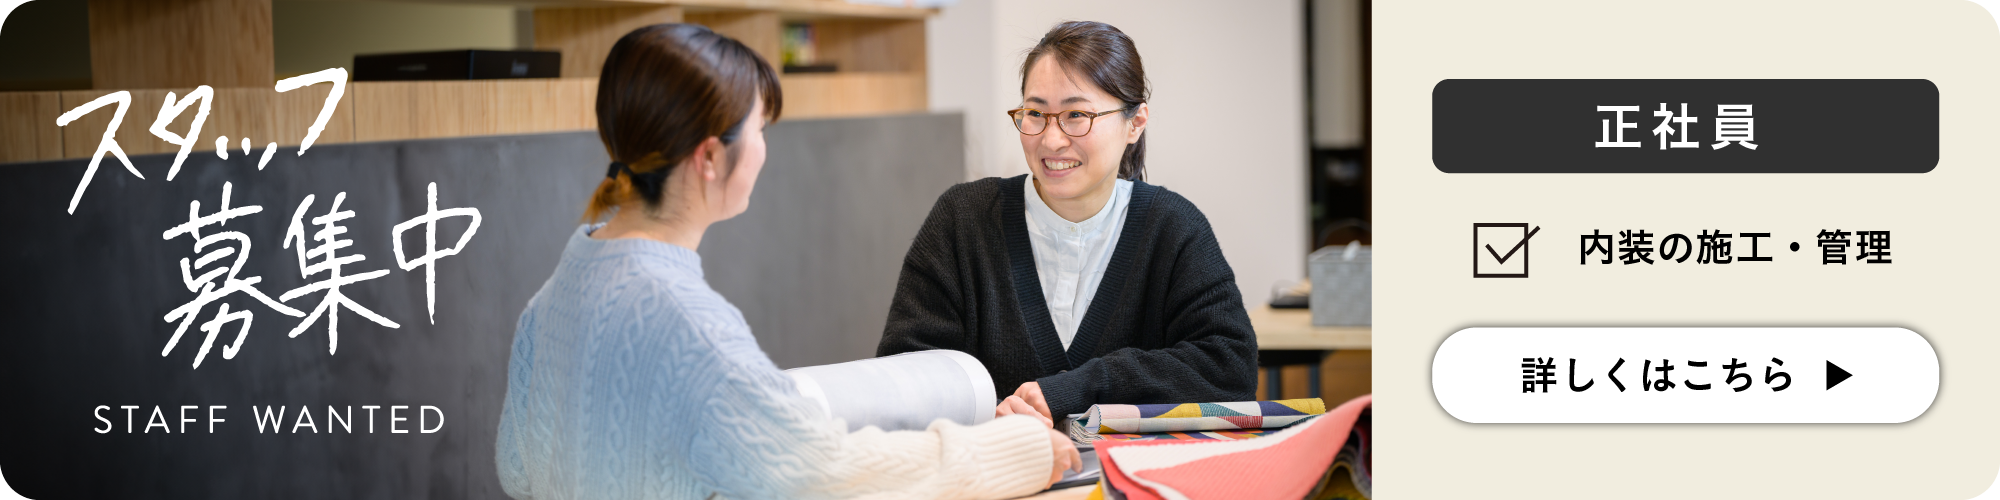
664,89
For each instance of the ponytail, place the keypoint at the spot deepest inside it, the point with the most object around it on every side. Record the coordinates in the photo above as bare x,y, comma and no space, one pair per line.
1132,166
665,89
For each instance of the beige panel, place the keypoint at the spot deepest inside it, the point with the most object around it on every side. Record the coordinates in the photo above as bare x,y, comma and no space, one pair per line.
585,35
138,44
1423,291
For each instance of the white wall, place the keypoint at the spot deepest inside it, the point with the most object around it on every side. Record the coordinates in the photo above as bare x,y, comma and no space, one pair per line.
1228,108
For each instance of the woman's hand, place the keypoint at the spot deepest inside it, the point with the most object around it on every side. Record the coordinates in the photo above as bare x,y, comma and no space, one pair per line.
1066,457
1031,393
1013,405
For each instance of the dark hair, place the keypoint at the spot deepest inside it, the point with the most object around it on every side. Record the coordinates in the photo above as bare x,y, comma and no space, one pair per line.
665,89
1108,57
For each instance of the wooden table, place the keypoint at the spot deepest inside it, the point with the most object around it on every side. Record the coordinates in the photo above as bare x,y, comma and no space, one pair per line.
1292,329
1288,337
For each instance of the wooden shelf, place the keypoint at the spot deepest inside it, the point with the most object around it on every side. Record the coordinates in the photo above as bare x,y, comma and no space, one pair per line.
879,51
806,9
260,113
791,9
385,111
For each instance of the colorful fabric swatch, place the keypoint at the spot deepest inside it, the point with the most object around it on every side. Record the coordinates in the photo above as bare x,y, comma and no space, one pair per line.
1349,478
1290,463
1100,420
1187,436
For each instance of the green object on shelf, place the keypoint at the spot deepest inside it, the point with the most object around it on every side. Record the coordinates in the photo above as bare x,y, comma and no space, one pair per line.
799,47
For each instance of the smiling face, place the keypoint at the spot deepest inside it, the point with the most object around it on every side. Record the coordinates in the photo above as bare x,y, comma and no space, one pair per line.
1074,170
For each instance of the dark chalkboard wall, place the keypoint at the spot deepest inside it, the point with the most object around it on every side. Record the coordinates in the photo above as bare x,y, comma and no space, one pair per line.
812,265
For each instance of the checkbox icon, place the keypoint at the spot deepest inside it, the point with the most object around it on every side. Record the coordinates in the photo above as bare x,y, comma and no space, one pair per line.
1500,250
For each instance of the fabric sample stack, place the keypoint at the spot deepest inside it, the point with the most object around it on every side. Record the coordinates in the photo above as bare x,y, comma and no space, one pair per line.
1191,421
1320,457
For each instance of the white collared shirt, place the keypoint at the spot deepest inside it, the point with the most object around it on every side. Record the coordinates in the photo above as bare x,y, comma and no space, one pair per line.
1070,257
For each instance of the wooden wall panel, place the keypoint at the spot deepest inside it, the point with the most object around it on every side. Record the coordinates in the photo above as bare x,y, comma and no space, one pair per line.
456,109
30,121
757,29
260,113
149,47
816,8
293,112
137,44
236,114
81,137
823,95
526,106
871,45
415,110
382,110
576,104
585,35
530,106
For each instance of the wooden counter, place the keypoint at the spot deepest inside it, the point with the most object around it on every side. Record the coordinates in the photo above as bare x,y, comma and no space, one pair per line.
1292,329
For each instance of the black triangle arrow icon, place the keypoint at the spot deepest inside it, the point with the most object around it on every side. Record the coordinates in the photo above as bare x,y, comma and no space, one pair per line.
1835,375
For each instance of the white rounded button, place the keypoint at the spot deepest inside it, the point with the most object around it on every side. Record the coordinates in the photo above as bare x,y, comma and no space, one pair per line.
1685,375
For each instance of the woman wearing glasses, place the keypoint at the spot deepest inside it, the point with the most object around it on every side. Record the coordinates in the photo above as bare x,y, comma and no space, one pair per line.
1078,284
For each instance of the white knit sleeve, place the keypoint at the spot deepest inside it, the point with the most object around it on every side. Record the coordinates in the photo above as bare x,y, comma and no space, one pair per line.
1008,457
760,439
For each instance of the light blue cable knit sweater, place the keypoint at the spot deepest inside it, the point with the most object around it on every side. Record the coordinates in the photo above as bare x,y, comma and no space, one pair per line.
631,378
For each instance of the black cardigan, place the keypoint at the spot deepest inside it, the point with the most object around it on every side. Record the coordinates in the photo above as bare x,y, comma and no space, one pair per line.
1166,326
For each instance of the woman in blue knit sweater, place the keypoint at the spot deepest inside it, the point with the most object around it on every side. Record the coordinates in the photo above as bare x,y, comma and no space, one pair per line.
631,378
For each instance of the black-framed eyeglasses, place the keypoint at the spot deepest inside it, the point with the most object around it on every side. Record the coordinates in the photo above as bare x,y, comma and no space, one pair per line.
1075,122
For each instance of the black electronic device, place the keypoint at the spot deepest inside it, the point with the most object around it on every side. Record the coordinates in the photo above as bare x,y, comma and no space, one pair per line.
457,65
